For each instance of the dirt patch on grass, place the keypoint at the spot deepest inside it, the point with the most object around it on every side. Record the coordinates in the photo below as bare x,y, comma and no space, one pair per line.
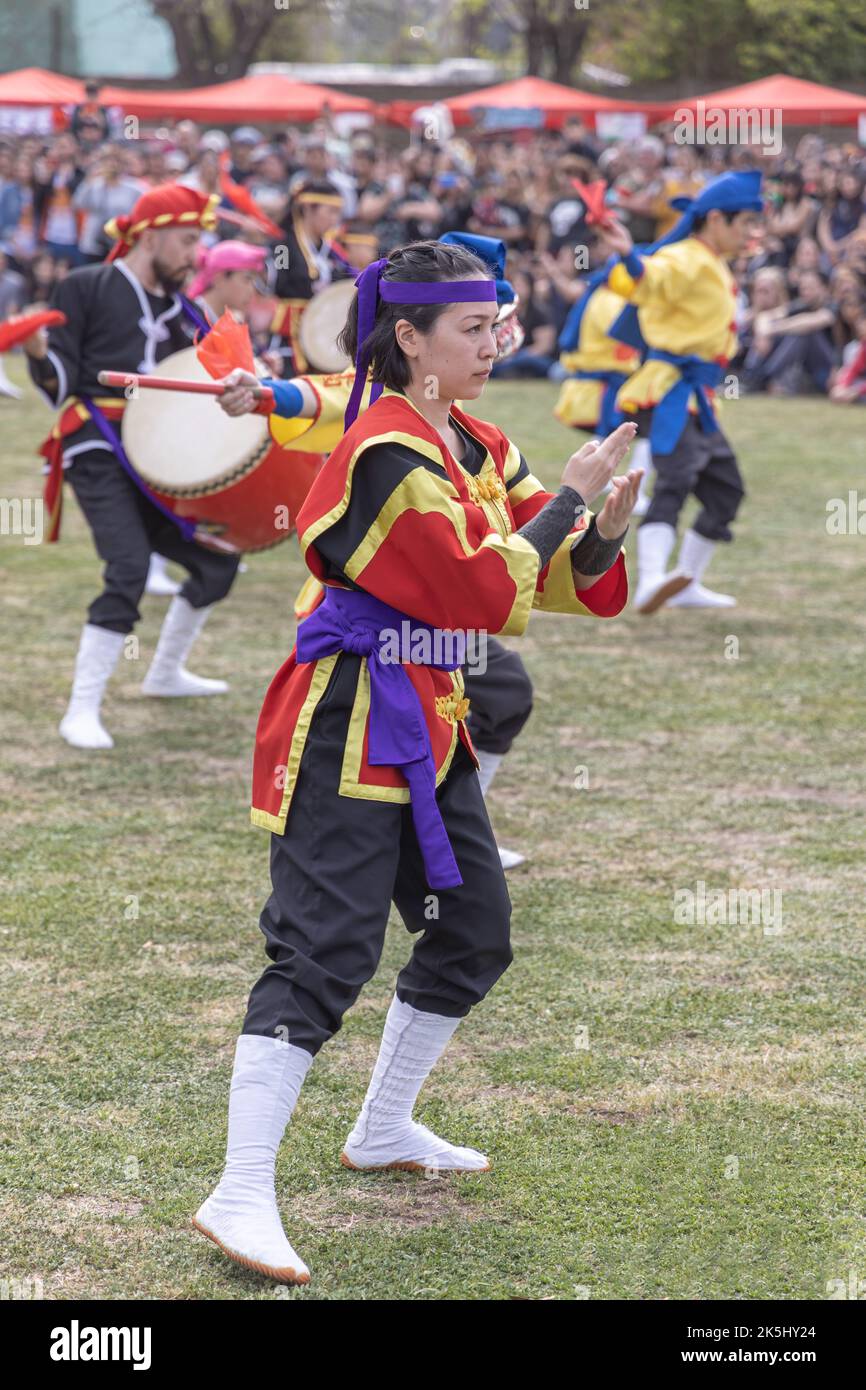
405,1200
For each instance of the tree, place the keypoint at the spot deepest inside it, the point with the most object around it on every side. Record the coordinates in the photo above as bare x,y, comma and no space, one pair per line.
216,40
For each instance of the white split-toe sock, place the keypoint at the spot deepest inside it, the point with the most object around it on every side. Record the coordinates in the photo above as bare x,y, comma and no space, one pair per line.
489,764
695,554
641,457
241,1214
655,584
98,652
159,581
166,675
385,1135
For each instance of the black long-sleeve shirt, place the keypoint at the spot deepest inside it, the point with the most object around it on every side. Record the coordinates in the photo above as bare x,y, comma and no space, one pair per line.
113,324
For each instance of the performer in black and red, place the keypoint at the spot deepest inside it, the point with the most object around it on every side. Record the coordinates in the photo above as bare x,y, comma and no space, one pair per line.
126,315
364,771
305,263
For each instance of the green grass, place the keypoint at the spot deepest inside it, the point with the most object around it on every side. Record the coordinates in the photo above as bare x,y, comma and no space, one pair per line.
707,1143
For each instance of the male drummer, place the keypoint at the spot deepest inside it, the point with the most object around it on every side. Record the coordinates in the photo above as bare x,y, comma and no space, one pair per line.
304,264
125,315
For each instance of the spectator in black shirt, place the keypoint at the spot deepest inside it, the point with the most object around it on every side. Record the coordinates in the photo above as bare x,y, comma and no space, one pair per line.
89,123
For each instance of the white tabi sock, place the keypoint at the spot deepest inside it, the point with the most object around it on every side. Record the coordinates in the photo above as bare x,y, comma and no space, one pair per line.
655,541
166,675
385,1135
159,581
641,457
241,1214
489,764
695,554
508,858
98,652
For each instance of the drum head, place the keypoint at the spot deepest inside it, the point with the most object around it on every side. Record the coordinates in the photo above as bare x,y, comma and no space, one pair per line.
321,321
184,444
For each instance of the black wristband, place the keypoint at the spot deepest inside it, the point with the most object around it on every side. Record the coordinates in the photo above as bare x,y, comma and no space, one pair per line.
592,554
549,528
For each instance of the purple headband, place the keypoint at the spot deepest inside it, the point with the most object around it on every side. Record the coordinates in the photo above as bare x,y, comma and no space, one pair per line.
371,287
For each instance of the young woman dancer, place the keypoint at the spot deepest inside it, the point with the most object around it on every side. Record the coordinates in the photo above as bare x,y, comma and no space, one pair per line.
423,523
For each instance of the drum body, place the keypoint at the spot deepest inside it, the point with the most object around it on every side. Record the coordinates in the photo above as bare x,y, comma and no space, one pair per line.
242,488
321,322
508,332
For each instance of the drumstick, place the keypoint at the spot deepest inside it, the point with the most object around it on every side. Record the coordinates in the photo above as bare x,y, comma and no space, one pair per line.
263,394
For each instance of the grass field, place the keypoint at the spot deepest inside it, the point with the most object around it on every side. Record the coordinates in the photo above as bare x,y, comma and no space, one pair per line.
673,1111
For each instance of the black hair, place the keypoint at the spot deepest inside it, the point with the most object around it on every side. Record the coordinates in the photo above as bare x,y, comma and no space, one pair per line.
421,262
701,220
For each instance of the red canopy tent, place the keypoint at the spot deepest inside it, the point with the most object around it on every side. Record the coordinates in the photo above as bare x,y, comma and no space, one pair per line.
32,101
37,87
261,97
555,101
801,102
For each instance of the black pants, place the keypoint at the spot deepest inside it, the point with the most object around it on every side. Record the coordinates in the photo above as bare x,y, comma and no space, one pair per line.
500,699
126,528
334,874
702,464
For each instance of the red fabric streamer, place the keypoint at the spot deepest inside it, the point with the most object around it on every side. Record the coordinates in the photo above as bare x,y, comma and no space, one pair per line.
228,345
593,196
16,330
242,201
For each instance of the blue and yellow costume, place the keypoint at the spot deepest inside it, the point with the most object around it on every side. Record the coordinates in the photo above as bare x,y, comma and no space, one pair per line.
680,316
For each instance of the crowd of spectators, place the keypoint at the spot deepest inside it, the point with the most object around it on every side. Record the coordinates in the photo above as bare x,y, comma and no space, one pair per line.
801,287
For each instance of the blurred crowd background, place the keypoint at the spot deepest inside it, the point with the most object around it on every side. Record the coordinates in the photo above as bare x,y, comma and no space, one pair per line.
801,309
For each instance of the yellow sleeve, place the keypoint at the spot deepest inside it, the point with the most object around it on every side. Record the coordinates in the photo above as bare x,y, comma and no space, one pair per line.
665,276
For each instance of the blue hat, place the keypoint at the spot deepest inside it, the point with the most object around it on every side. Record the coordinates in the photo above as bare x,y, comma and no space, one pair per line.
491,250
738,191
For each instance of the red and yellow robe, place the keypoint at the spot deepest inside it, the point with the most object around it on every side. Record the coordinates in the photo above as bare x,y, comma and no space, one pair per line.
394,513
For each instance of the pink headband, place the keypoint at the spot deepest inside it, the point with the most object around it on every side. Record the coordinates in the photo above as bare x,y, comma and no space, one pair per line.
226,255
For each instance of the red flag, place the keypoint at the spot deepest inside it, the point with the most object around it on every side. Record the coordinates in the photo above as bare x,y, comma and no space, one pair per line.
228,345
597,214
20,327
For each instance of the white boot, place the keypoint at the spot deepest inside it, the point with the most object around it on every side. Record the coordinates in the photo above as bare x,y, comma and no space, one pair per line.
641,457
509,858
159,581
655,541
695,554
241,1213
385,1135
98,652
166,676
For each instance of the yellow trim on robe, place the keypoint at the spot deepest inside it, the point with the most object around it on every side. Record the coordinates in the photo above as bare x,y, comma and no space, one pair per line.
427,493
321,676
558,594
350,783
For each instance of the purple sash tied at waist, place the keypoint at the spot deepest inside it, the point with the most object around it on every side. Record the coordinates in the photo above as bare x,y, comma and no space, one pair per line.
350,620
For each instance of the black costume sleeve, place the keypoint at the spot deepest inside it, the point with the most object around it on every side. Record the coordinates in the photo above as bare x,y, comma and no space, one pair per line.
57,374
549,527
592,554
